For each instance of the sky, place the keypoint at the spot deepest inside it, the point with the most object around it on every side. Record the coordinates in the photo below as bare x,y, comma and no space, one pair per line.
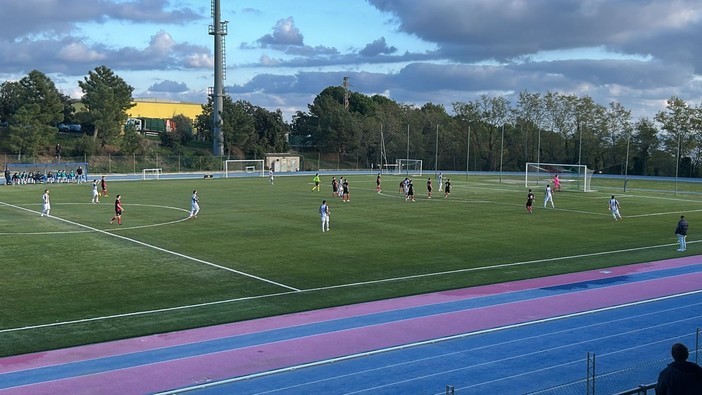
280,54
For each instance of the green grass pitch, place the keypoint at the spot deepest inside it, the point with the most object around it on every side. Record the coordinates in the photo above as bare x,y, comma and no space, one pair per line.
257,250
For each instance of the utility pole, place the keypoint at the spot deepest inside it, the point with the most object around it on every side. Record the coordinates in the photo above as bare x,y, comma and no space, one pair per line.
218,29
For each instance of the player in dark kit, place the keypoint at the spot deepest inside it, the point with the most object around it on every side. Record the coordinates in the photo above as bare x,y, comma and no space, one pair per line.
530,201
118,210
335,187
103,186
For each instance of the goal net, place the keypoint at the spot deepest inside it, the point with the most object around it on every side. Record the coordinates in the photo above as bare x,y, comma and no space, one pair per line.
571,177
390,168
151,174
409,166
238,168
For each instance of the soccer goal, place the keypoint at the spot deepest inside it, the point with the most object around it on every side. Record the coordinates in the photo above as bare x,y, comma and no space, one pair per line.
572,177
151,174
238,168
409,166
390,168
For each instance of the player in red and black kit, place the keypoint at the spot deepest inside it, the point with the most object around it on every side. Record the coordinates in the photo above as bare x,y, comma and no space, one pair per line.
103,186
377,184
530,201
118,210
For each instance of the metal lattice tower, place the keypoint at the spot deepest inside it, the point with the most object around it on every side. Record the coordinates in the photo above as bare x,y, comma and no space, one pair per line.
346,92
218,29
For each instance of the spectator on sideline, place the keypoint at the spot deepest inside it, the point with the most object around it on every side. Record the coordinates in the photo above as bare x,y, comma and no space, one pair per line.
681,232
680,377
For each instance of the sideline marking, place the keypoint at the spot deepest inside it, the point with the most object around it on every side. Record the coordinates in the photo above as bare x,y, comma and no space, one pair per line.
141,243
331,287
417,344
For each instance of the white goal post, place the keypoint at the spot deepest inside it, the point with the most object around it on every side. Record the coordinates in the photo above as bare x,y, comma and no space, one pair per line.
572,177
242,167
151,174
409,166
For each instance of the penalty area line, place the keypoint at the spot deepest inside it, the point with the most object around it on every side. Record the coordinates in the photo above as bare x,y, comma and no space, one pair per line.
141,243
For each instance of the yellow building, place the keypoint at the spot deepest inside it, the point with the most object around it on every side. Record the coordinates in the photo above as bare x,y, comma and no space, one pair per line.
162,108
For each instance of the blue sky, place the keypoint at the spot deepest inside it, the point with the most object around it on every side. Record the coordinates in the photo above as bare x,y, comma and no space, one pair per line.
281,54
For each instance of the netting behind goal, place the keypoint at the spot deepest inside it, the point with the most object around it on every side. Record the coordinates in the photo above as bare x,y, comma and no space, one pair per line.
572,177
238,168
409,166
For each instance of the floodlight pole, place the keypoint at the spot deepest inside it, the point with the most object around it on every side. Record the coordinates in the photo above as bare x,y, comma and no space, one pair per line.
436,151
677,166
502,150
468,153
538,158
626,162
218,29
407,169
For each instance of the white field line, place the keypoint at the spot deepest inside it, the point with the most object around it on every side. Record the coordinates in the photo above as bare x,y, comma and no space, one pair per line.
331,287
421,343
123,228
141,243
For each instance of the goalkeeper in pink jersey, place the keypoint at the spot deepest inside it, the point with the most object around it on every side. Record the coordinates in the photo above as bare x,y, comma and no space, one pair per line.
556,183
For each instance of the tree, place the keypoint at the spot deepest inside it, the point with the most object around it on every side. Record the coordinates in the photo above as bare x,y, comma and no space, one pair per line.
32,106
529,115
677,122
107,97
645,142
27,134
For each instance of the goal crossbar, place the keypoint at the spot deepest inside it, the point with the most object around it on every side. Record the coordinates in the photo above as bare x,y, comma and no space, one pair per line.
154,173
409,166
241,167
571,176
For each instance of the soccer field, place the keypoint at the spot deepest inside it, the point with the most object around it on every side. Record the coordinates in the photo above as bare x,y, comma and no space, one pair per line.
258,250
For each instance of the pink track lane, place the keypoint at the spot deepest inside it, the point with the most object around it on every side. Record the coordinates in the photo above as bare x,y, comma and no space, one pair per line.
260,358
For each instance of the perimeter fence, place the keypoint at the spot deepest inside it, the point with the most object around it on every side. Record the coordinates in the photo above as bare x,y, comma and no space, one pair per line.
637,379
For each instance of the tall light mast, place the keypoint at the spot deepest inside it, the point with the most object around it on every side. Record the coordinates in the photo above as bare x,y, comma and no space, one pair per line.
218,29
346,86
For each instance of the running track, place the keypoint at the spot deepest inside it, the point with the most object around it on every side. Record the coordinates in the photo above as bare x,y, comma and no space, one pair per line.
505,338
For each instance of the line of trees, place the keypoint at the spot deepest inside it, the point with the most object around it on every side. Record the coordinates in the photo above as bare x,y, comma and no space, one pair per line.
488,132
32,108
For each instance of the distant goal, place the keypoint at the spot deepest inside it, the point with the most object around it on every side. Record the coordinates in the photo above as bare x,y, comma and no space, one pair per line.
572,177
409,166
151,174
238,168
